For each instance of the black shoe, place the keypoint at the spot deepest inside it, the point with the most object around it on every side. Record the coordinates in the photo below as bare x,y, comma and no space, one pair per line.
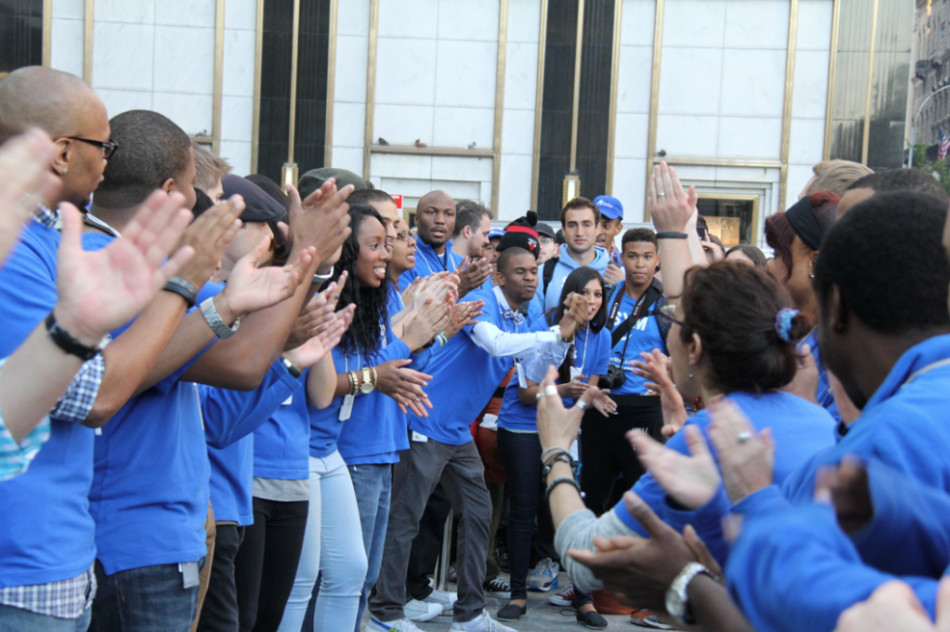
512,612
590,619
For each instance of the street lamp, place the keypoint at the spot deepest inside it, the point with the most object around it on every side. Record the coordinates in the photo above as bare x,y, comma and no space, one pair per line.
913,123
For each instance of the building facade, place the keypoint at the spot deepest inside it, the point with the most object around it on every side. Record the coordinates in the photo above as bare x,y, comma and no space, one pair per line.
499,100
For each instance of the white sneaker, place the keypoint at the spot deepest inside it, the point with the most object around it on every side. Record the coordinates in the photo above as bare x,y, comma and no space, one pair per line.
421,610
399,625
443,598
481,623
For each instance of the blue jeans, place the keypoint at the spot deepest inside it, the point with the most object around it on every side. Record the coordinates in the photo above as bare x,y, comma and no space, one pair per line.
330,549
146,599
372,484
20,620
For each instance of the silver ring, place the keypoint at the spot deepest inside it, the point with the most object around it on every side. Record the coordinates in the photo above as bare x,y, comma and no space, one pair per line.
550,389
743,437
661,194
582,404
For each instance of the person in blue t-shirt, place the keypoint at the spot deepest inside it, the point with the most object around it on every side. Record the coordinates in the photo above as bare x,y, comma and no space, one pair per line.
435,221
441,445
518,441
634,329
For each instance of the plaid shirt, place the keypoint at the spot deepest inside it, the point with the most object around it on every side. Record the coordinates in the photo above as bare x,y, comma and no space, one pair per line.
68,598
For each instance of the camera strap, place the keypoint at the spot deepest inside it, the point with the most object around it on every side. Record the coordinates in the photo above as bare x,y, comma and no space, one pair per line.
651,296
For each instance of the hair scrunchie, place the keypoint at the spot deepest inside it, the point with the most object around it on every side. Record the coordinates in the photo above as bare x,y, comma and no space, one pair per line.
783,323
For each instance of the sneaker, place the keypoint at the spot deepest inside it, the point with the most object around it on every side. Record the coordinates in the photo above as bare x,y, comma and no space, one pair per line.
442,598
481,623
650,621
399,625
421,610
591,620
497,585
544,576
563,598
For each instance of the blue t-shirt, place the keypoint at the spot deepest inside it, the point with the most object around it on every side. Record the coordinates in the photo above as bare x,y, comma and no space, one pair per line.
590,357
428,262
282,444
799,428
464,377
644,336
326,425
150,491
47,533
823,394
230,418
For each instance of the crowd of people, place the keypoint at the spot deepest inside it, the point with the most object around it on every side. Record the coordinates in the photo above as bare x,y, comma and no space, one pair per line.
231,406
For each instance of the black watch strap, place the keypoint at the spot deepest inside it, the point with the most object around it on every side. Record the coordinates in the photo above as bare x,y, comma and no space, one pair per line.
183,288
67,343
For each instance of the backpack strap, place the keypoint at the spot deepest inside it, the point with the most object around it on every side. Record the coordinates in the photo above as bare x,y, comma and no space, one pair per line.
547,273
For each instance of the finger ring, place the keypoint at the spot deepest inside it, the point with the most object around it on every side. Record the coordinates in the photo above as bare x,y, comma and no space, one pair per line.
743,437
661,194
582,404
550,389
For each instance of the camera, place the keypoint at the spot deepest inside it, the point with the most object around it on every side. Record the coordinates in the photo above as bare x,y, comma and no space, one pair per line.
615,378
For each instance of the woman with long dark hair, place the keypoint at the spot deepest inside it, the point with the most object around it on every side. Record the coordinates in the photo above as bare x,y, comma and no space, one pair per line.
586,361
733,336
367,369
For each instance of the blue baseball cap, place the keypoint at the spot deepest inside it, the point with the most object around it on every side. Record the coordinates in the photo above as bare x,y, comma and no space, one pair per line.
496,233
610,207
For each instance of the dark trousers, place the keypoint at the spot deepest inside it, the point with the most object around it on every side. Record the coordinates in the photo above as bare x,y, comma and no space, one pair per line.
605,451
145,599
415,476
220,610
266,563
427,545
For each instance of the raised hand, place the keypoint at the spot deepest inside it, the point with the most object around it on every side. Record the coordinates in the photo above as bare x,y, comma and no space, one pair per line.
656,366
558,426
745,457
575,314
420,327
472,274
209,236
639,570
669,205
315,314
691,480
27,182
463,315
322,343
251,288
321,221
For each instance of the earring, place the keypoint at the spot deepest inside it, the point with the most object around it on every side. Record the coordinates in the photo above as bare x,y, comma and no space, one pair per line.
690,376
65,171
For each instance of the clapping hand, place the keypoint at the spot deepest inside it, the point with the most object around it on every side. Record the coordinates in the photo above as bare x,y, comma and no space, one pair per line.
690,480
321,221
26,184
656,367
745,457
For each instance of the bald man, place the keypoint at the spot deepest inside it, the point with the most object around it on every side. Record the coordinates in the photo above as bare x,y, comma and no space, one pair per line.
435,220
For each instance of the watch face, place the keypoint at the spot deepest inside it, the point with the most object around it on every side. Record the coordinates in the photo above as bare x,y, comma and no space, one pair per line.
366,387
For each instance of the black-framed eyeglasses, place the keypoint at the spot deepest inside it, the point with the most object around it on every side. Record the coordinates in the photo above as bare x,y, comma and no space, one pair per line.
108,147
666,312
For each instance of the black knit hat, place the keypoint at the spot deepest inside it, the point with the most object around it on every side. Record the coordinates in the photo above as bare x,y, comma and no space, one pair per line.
521,234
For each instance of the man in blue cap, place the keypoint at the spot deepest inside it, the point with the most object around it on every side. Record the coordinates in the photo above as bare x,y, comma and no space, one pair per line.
611,223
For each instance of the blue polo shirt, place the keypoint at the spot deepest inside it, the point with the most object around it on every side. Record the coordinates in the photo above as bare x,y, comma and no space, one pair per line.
47,533
590,357
464,377
428,262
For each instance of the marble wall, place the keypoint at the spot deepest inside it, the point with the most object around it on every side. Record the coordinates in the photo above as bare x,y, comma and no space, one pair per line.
721,87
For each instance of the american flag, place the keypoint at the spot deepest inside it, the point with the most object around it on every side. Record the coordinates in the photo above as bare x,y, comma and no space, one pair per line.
943,147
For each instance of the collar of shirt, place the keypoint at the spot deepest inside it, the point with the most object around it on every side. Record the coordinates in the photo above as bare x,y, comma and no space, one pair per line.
47,217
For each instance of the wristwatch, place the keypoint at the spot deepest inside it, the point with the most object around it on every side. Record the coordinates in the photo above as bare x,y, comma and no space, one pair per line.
367,386
677,601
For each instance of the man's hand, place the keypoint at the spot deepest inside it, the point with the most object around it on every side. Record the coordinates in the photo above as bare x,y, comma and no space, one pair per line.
404,385
472,274
251,288
209,236
26,184
614,274
669,205
104,289
575,314
322,220
638,571
745,457
463,315
846,487
691,480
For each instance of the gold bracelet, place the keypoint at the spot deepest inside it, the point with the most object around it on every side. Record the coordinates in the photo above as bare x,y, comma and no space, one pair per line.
354,386
373,370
